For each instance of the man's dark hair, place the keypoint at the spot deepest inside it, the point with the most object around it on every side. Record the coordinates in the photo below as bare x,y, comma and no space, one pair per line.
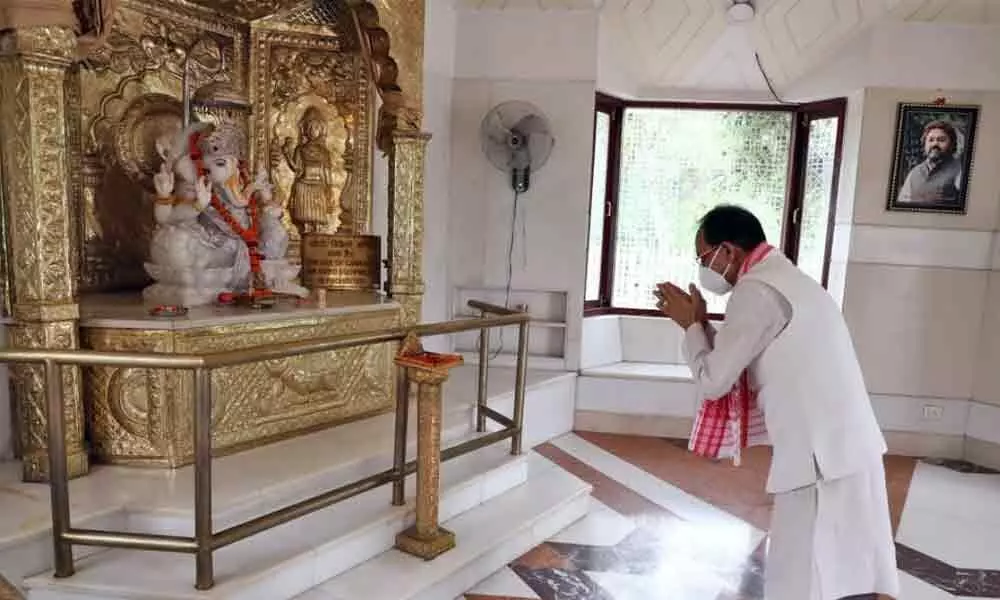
733,224
946,127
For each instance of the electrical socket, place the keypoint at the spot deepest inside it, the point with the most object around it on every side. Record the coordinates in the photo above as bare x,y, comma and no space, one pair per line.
933,411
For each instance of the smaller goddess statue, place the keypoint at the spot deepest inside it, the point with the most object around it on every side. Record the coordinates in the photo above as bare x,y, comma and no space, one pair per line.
311,203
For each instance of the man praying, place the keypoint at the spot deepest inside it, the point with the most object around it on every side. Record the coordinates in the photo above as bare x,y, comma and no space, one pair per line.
782,368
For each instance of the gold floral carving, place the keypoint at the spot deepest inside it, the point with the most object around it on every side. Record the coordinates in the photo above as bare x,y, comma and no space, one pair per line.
79,213
55,43
406,221
294,72
29,393
143,416
33,118
395,113
403,20
129,93
5,274
249,10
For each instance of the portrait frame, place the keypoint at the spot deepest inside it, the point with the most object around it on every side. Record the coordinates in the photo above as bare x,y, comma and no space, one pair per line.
924,193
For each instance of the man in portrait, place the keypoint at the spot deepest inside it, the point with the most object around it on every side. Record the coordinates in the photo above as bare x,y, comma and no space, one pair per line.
938,178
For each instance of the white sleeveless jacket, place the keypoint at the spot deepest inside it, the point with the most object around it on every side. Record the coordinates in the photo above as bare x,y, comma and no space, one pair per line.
818,413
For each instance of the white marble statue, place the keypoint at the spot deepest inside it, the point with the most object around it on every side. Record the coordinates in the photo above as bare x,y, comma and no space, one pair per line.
180,252
218,233
243,222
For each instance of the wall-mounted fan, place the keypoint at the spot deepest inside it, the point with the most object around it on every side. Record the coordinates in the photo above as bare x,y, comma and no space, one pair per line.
516,138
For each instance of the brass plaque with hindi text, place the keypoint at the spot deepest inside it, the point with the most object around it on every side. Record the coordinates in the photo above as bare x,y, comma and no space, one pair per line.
341,262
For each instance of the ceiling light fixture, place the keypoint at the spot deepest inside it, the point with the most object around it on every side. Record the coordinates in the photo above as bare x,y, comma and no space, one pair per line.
741,11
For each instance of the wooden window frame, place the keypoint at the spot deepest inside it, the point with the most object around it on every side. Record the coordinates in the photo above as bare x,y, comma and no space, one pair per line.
615,109
802,116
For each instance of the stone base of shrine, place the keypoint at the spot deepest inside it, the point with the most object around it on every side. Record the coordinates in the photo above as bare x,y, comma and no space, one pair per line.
145,416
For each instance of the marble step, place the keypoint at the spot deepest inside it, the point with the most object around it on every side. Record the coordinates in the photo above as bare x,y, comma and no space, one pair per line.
244,485
151,500
252,483
489,537
286,561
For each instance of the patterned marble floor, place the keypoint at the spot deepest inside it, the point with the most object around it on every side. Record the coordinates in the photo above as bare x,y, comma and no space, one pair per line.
667,525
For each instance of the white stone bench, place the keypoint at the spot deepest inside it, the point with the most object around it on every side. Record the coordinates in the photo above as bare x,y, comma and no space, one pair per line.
641,370
632,381
636,398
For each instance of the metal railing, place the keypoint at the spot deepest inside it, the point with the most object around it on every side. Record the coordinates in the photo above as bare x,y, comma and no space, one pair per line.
205,540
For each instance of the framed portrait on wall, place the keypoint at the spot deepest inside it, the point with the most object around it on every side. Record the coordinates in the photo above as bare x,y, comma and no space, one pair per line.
932,158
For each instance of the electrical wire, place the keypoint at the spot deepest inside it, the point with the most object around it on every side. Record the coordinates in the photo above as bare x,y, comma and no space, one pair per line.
510,265
767,80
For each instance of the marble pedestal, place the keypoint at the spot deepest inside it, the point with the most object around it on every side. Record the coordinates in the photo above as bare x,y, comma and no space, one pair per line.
144,416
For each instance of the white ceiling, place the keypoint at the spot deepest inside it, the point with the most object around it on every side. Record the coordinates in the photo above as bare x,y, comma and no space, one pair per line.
692,44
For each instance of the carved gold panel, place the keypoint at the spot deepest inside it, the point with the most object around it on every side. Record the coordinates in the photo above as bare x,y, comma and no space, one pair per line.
308,66
124,96
28,386
290,56
144,416
403,20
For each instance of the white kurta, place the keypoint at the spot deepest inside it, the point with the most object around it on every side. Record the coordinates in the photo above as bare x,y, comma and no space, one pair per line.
828,540
832,540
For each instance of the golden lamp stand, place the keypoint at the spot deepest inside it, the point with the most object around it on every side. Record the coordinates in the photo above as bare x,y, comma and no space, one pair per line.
429,370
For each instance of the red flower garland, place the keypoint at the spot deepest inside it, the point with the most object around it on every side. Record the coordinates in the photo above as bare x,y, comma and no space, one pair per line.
249,235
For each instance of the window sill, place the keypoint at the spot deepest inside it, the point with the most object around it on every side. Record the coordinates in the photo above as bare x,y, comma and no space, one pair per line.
635,312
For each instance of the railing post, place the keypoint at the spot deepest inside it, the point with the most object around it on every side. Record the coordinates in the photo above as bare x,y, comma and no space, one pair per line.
519,383
427,539
399,452
484,370
204,570
58,475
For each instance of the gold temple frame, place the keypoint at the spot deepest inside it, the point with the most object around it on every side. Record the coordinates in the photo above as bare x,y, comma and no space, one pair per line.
81,93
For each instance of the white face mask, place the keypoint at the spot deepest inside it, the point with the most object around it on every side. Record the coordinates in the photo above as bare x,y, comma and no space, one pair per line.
714,281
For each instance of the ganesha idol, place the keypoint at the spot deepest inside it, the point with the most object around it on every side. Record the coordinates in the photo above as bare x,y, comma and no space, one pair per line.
219,235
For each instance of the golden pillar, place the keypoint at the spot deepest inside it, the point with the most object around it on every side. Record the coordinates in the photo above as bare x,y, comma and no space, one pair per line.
406,221
429,370
404,21
33,80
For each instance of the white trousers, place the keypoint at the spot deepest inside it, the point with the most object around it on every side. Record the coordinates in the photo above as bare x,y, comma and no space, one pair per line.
832,540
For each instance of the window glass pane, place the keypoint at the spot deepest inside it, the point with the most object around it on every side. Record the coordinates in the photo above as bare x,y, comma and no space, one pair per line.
817,195
676,164
598,188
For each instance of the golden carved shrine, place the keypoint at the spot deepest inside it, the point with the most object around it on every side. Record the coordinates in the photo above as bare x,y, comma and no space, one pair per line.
317,87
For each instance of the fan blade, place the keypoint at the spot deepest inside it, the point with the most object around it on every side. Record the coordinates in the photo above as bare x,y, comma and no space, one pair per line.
497,124
531,124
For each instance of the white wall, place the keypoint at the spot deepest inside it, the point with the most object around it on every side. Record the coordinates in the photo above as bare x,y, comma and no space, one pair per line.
547,58
917,286
917,290
614,73
440,30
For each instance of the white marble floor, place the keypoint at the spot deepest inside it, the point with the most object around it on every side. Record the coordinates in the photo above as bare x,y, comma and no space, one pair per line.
650,537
